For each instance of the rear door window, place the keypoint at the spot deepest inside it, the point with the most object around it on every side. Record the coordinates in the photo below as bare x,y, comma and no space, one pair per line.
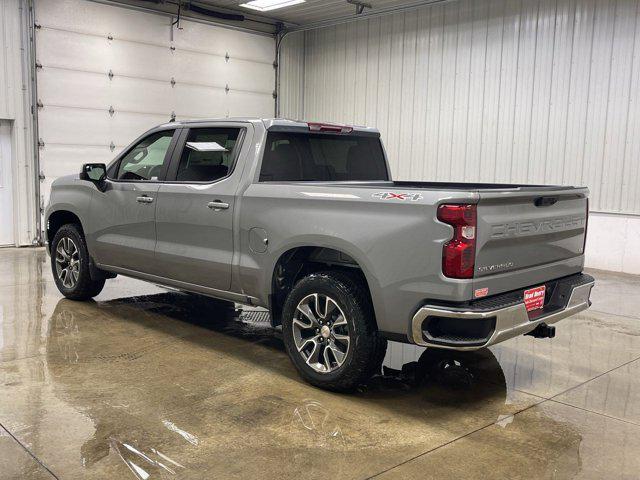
208,154
322,157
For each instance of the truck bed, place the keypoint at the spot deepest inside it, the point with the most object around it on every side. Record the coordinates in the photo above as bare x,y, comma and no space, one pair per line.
445,186
519,227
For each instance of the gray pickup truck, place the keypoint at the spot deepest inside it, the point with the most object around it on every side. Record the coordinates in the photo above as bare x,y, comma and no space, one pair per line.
304,219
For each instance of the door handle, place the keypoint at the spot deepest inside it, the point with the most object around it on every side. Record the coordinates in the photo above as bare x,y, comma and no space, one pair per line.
144,199
218,205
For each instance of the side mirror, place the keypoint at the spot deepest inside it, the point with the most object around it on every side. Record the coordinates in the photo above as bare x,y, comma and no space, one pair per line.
94,172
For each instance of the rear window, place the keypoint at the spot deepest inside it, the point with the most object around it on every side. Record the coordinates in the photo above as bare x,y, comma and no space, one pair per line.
322,157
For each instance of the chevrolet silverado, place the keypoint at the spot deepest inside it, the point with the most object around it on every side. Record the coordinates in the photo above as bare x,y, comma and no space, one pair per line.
305,220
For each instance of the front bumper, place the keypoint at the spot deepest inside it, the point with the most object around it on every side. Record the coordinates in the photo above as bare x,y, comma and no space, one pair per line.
496,319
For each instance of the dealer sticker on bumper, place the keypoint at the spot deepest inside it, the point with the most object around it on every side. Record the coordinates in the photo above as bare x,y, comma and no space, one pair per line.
534,298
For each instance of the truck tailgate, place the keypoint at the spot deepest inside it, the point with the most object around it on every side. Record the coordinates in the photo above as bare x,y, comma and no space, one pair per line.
529,227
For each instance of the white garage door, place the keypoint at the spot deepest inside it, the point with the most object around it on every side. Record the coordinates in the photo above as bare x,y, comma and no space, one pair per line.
106,74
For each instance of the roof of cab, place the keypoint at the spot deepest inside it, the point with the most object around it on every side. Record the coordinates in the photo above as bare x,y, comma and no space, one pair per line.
267,122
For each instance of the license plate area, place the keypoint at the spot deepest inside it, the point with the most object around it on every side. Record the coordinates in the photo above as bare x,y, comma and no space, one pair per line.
534,298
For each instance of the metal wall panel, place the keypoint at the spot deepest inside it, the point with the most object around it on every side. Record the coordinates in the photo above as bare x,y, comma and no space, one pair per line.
292,60
198,71
14,106
532,91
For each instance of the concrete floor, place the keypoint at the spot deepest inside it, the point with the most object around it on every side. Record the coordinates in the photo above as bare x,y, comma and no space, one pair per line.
143,383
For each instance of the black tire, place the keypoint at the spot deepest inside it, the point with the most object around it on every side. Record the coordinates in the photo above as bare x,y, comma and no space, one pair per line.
366,348
84,287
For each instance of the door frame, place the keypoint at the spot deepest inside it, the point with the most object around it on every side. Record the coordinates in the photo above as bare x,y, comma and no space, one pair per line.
10,177
174,162
114,165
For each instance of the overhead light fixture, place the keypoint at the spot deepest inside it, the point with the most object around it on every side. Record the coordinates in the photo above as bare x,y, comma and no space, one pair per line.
266,5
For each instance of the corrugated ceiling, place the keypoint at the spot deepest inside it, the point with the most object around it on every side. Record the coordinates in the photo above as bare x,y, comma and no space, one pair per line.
310,14
316,11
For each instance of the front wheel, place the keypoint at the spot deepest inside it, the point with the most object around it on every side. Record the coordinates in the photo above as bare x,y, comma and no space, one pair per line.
70,264
330,332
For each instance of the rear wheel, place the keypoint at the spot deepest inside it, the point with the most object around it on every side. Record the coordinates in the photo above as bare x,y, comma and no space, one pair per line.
330,332
70,264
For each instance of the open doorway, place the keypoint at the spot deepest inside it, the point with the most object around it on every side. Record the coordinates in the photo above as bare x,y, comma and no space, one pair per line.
6,186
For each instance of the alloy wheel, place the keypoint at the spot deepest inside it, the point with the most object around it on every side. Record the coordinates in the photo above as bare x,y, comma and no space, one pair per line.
321,332
67,262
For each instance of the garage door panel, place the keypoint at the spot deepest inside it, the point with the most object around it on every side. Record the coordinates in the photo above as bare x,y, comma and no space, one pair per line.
83,128
72,88
198,68
60,160
200,102
103,20
126,127
200,37
72,50
73,126
141,95
243,104
77,93
94,54
250,76
82,91
138,60
45,189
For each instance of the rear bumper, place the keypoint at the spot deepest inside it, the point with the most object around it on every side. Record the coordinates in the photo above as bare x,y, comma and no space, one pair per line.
496,319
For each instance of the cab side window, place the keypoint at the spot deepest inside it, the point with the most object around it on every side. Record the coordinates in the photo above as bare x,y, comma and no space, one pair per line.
208,154
148,159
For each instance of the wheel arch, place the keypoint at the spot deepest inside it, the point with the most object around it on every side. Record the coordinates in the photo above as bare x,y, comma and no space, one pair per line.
59,217
299,261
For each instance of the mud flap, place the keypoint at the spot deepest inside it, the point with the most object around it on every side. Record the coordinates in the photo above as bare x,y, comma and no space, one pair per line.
97,274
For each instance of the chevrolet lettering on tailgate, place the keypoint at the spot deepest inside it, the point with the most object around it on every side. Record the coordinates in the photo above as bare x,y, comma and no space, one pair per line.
514,229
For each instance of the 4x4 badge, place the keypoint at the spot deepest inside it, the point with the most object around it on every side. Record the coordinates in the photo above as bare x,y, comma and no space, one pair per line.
414,197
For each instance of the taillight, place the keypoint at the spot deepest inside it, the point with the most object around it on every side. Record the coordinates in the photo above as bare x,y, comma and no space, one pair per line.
586,226
459,253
